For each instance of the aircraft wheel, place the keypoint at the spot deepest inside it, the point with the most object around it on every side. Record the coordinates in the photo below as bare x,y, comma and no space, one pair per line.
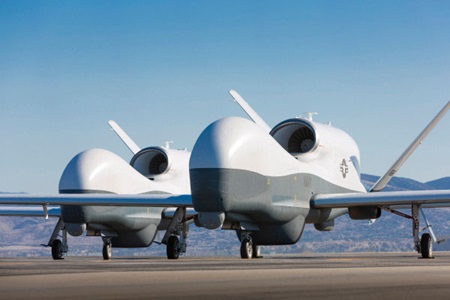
173,247
57,250
426,246
256,249
246,248
107,251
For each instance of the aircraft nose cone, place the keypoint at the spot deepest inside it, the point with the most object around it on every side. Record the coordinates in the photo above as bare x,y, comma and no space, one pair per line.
222,157
209,158
101,171
233,143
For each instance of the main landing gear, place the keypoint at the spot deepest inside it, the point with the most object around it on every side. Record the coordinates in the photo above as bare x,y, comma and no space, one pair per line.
173,247
426,246
177,227
248,248
59,247
422,244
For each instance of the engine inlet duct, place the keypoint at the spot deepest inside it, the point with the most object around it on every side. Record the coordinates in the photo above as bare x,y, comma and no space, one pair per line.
297,136
151,161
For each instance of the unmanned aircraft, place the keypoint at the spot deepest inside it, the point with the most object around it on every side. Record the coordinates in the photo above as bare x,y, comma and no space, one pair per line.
265,184
95,175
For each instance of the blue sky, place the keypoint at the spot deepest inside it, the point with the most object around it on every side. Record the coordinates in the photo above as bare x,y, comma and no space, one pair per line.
377,69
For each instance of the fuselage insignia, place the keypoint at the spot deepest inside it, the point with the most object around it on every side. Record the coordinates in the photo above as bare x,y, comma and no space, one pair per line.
344,168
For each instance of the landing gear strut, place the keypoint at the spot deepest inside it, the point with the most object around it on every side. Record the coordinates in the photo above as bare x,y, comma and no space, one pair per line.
422,244
177,227
59,248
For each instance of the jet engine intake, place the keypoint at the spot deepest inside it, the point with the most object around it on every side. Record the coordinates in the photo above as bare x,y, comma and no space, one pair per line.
151,161
296,136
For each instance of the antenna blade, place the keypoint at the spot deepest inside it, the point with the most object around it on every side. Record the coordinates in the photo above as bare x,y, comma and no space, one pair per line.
124,137
249,110
383,181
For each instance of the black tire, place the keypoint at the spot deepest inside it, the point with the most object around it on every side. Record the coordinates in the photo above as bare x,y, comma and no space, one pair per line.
246,248
426,246
107,251
57,250
256,251
173,247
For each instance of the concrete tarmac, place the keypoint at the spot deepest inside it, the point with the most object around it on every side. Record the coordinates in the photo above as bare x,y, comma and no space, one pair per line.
304,276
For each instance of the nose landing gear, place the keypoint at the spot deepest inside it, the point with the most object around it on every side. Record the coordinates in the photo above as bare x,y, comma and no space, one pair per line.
107,249
248,248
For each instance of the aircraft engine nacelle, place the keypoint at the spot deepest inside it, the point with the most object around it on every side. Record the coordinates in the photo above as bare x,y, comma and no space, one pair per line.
151,161
296,136
164,165
309,141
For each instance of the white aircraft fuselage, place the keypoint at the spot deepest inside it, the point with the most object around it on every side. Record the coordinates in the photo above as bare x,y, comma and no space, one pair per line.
153,170
249,180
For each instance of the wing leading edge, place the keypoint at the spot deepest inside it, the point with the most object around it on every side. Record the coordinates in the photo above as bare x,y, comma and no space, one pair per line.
433,198
142,200
27,211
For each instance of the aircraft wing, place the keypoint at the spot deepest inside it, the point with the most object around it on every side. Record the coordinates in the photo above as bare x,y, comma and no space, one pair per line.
27,211
142,200
429,198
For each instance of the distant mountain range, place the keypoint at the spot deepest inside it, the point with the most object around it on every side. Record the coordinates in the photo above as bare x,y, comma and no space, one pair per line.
406,184
22,236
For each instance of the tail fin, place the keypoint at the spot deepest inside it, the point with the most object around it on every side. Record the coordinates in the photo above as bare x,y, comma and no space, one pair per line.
124,137
249,110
